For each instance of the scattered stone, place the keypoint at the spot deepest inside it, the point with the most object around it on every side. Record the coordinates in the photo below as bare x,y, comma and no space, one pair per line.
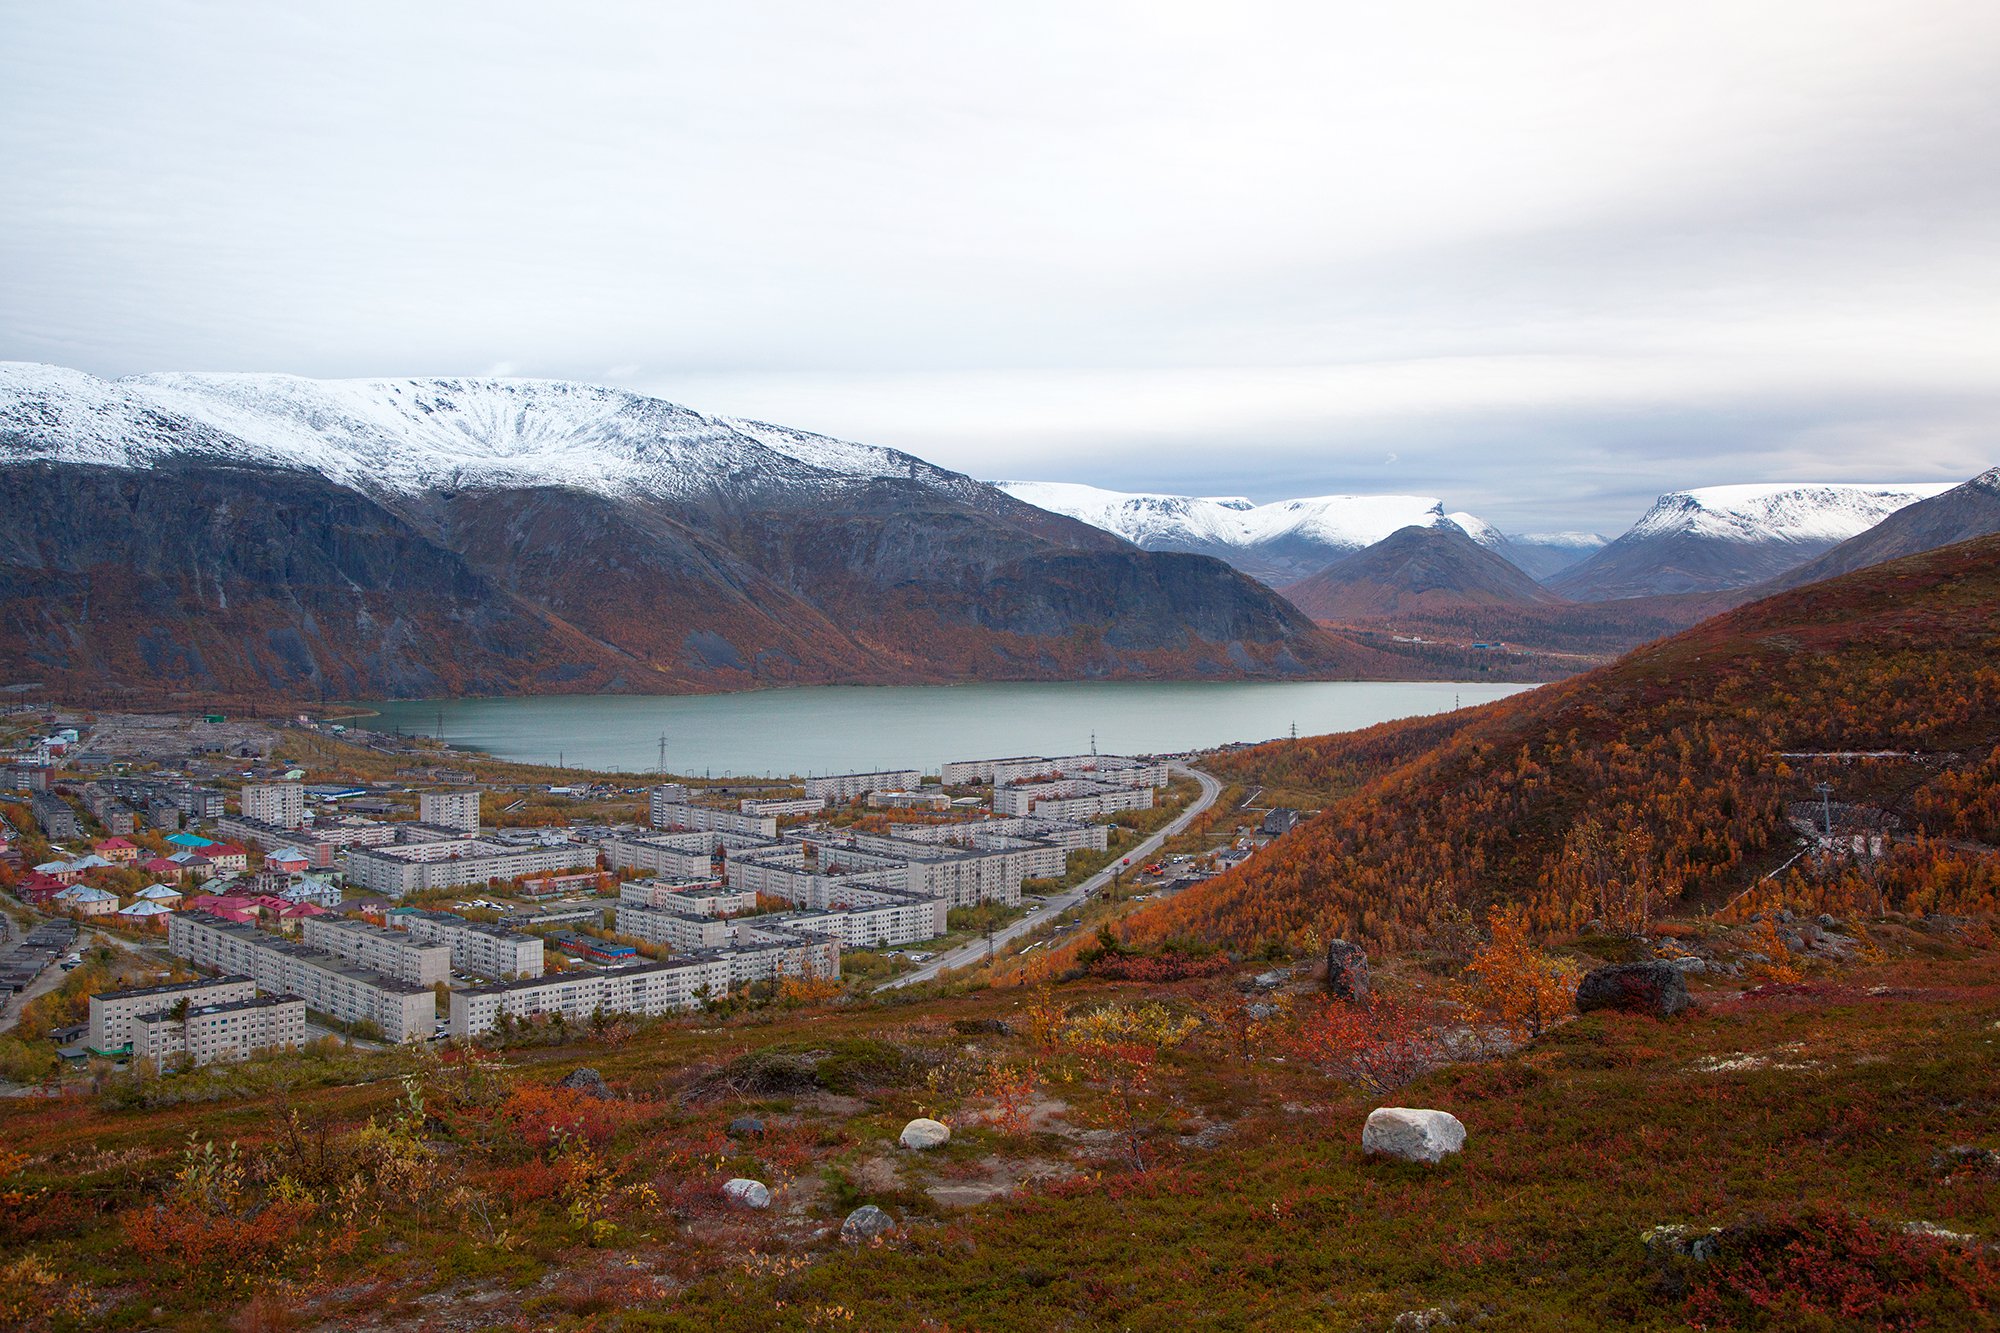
1593,927
1347,972
746,1127
1680,1241
1271,980
1654,988
1828,921
865,1224
1419,1320
1785,917
1688,963
982,1027
1260,1011
1932,1231
746,1193
1412,1134
1964,1157
922,1134
586,1081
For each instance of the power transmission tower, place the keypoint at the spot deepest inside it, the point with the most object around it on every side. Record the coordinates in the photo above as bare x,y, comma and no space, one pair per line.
1295,731
1093,745
663,754
440,727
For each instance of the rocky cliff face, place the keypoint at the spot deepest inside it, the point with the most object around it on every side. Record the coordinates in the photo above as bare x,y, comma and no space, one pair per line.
280,546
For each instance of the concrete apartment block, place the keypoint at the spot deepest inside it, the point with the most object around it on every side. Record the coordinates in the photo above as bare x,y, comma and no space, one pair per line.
280,803
112,1012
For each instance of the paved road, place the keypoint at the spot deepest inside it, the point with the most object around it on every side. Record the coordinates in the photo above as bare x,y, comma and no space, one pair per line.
967,954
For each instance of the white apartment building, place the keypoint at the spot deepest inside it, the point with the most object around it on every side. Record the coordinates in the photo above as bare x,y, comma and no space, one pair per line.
678,855
707,819
969,772
457,810
229,1031
454,863
909,800
112,1013
781,806
280,803
646,989
890,921
680,931
404,1012
695,897
476,947
1069,798
393,953
842,787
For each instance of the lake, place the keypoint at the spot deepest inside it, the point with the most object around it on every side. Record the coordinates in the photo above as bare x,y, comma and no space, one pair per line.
845,729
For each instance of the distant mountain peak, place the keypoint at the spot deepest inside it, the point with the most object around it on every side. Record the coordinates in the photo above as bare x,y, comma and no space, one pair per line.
1716,538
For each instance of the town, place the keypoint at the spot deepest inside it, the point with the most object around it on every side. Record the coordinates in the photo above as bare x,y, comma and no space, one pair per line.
419,907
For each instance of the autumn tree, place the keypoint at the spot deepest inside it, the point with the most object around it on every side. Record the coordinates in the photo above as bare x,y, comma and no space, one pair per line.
1512,983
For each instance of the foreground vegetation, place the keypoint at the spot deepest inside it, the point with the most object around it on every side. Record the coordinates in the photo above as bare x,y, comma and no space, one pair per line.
1135,1155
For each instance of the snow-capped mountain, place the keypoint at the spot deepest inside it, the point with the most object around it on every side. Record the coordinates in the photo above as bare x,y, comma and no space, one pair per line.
244,535
1280,542
407,436
1721,537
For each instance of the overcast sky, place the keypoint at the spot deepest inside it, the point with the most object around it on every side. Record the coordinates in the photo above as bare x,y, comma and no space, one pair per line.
1541,259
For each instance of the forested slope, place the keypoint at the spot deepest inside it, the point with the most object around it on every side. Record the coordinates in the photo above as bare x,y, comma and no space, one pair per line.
1666,777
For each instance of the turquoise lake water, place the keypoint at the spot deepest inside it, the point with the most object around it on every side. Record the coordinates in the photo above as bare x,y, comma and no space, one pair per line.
842,729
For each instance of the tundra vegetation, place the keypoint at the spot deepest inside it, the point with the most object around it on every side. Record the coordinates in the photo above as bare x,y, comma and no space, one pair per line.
1165,1152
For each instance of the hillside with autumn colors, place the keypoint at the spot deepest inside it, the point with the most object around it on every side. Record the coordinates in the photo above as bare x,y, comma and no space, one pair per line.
1680,776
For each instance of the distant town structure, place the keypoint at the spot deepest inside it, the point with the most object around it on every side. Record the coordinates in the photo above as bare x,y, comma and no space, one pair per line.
282,804
450,809
842,787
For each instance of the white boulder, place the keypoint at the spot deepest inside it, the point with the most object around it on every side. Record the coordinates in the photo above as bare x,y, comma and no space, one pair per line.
922,1134
745,1193
1411,1134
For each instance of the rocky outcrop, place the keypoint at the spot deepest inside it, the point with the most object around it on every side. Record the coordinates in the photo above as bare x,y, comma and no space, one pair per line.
585,1082
746,1193
923,1134
866,1223
1412,1134
1347,972
1657,988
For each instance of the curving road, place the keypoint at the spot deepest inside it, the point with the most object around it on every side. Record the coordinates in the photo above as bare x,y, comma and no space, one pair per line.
967,954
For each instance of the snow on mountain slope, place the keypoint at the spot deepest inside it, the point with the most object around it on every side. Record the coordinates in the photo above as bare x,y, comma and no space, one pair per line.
1823,512
1478,529
1279,542
1717,538
413,435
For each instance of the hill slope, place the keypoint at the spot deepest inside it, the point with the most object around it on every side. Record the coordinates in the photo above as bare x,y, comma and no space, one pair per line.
1959,514
1661,777
1417,571
225,536
1722,537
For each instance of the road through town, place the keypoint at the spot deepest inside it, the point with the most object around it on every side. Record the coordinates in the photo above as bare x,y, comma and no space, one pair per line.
967,954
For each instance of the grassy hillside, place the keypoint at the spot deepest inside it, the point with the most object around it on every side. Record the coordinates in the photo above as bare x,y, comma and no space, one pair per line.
1661,779
1116,1163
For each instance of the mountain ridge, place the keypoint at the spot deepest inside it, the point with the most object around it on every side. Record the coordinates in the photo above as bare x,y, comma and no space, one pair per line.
596,539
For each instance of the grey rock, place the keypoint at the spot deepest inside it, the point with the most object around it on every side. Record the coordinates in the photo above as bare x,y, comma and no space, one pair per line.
922,1134
1965,1157
1678,1242
1785,916
865,1224
1412,1134
746,1193
1688,963
1828,921
586,1081
746,1127
1654,988
1347,971
1271,980
1420,1320
1261,1011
